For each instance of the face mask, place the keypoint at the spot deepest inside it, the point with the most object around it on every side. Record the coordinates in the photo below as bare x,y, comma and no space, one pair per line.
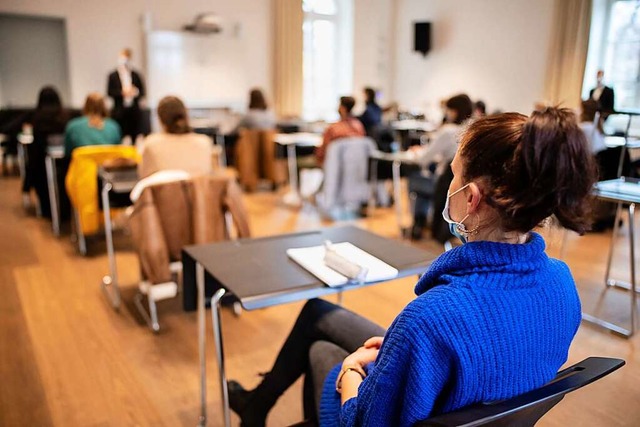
456,228
122,60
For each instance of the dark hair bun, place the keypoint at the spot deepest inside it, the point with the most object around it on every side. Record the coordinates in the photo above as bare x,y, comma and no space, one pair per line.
535,167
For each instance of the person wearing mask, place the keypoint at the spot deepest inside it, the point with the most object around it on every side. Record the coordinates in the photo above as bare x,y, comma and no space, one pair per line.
176,147
347,126
49,118
435,157
603,95
372,115
126,88
490,297
93,128
258,116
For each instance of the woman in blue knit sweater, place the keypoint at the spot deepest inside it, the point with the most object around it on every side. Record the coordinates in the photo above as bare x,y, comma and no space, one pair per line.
493,318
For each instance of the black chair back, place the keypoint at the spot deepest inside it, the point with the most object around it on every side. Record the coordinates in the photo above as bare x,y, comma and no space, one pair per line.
526,409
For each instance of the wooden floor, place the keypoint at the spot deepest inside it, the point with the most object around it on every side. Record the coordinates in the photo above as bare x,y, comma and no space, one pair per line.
67,359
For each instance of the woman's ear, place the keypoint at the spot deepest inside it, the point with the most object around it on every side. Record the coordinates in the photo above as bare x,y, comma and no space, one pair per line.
474,197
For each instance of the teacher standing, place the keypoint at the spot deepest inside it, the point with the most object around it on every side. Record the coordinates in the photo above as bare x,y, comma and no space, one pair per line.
126,88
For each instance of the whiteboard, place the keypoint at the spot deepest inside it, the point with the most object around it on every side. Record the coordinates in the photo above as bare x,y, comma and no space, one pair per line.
202,70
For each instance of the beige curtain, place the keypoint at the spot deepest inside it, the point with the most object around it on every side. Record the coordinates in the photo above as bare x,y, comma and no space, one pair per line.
568,55
288,57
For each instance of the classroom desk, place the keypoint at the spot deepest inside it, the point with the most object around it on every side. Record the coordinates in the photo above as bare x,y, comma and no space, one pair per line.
396,159
118,181
259,274
415,125
627,191
291,141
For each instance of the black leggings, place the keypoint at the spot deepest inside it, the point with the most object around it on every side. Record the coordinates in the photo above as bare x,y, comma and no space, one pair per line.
323,335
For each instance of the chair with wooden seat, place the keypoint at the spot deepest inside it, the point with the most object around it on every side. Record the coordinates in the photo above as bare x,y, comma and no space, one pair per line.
82,186
255,159
172,210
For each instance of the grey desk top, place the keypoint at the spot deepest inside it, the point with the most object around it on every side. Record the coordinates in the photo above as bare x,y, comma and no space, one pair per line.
121,180
626,190
260,274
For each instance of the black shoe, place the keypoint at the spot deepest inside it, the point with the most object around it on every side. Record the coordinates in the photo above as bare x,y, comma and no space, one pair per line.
238,396
239,400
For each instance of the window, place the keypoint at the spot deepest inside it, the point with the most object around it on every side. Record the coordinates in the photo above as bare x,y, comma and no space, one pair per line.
327,56
615,48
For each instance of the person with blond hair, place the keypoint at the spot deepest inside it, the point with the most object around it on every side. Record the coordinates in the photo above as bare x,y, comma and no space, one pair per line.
93,128
176,147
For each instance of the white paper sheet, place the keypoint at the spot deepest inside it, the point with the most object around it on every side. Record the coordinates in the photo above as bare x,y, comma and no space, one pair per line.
312,259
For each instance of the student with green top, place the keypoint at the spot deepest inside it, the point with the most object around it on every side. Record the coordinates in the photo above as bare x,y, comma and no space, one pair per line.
93,128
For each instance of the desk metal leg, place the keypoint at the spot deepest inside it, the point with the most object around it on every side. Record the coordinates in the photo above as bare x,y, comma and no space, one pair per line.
628,333
292,198
54,203
201,345
616,227
374,186
217,336
220,141
110,283
397,193
632,266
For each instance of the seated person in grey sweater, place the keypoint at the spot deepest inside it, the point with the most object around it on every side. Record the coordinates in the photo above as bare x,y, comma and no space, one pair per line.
259,116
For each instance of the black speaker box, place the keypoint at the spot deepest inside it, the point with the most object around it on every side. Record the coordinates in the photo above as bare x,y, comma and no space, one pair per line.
422,37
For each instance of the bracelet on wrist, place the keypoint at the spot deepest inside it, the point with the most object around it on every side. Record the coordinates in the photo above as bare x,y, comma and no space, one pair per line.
346,369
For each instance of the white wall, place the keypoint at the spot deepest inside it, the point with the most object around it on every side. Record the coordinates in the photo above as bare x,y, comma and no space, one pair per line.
97,30
494,50
373,43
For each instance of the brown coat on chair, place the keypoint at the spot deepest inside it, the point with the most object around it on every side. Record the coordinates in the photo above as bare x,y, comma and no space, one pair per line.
168,217
256,158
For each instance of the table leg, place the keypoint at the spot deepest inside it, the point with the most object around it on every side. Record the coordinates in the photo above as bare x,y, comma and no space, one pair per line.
397,193
110,282
292,198
607,279
217,336
52,183
202,345
632,266
627,333
220,141
374,185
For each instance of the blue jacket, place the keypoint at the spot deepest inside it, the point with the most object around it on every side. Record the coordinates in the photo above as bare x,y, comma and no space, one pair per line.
491,321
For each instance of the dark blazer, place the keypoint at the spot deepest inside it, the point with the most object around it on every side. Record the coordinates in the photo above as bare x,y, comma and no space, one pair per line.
114,89
607,99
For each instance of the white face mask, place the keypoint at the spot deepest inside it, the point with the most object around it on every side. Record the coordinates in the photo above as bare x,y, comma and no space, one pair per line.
123,60
456,228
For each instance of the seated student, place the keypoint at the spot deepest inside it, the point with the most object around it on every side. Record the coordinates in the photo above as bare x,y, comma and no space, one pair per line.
372,115
493,318
347,126
176,147
479,109
436,155
93,128
49,118
593,131
258,116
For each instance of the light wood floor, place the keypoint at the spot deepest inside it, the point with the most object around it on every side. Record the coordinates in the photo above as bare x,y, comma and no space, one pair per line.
67,359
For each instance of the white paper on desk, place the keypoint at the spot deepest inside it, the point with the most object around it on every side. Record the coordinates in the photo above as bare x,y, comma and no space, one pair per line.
312,259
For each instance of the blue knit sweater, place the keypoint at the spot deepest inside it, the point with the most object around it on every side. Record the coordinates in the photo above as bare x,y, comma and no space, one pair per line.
491,321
